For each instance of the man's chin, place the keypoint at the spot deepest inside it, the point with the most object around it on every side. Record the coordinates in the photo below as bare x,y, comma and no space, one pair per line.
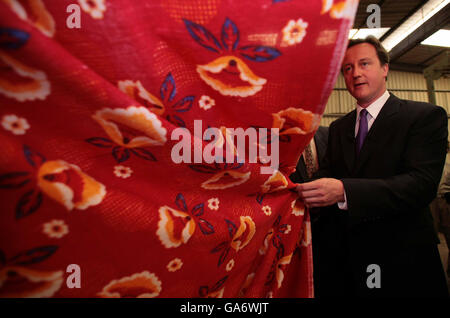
359,96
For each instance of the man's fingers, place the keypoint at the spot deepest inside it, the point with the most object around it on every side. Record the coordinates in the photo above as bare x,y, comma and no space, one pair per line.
310,193
307,186
314,200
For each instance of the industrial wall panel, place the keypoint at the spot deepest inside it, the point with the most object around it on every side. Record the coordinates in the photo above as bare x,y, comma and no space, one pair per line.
404,85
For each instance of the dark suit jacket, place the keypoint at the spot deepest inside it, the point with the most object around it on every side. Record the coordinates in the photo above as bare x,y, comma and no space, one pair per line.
321,141
388,187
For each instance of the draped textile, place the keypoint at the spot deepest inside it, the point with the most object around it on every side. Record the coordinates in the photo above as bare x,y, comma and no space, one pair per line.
92,202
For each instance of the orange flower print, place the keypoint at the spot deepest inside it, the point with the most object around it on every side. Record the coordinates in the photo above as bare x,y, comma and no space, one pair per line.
206,102
20,81
14,124
298,207
229,74
247,284
61,181
35,13
139,285
244,234
21,282
131,130
281,265
267,210
55,229
176,226
225,179
131,127
96,8
306,234
327,5
231,77
263,249
340,9
239,237
295,121
226,141
277,181
274,238
230,265
294,32
216,294
213,204
224,175
122,171
216,291
136,91
174,265
68,185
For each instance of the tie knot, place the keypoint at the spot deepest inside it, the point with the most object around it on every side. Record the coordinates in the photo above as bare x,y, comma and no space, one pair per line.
363,112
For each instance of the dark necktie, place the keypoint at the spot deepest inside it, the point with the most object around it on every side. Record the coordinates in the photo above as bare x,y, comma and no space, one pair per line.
362,131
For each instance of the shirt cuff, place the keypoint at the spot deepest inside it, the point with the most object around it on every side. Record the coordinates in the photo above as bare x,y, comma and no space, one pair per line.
343,205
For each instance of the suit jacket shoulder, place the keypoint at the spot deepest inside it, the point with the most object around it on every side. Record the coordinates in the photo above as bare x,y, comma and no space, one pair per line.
413,109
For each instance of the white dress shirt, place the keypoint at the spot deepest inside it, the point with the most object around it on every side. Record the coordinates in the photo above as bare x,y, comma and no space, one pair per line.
372,112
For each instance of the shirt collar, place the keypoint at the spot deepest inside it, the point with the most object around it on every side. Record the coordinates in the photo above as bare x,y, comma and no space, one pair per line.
375,108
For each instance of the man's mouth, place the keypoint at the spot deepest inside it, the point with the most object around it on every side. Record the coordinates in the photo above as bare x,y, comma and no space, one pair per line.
358,85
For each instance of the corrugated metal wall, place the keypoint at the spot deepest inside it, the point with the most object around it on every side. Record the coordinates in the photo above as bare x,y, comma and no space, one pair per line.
341,102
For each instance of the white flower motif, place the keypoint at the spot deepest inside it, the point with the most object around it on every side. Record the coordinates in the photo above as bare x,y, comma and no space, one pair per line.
122,171
230,265
213,204
294,32
95,8
287,229
14,124
55,229
174,265
206,102
267,210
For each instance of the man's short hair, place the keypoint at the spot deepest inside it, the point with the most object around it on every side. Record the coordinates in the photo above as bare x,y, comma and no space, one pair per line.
382,54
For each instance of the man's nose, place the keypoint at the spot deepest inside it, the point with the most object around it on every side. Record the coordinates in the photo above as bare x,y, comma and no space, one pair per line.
356,72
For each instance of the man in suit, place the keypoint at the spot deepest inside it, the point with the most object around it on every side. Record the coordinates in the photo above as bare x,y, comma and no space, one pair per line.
382,168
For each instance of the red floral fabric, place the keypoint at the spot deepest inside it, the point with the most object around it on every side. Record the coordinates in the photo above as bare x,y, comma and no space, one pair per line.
86,169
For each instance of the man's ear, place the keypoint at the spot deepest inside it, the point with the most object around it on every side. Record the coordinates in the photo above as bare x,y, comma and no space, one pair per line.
385,68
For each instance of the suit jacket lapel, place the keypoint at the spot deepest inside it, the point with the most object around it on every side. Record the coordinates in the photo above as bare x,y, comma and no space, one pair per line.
301,168
378,131
348,141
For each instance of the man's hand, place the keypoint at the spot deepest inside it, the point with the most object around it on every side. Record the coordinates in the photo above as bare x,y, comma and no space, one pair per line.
321,192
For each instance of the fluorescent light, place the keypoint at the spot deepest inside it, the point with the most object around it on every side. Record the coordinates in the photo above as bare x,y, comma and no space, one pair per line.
439,38
413,22
363,33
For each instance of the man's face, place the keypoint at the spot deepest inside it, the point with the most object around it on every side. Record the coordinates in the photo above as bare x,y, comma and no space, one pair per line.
363,73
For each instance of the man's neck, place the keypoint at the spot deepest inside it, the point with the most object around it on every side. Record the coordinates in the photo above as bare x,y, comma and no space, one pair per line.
374,100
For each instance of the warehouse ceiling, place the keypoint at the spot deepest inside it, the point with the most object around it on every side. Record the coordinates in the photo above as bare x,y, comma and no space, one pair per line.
409,54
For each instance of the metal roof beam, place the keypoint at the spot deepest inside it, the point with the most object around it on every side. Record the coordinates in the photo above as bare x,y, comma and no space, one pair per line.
404,67
438,21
